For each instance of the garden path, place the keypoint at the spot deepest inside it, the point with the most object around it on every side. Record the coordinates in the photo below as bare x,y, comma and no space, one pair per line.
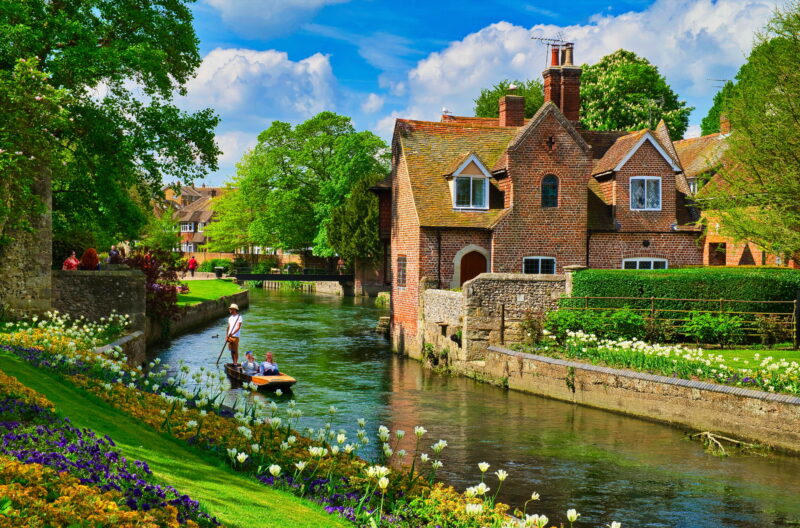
236,500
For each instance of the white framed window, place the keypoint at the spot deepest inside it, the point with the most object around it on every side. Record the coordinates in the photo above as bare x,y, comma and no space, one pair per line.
471,192
692,185
645,193
187,227
187,247
539,265
200,226
644,263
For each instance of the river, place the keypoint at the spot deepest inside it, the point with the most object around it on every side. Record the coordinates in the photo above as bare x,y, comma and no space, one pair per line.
605,465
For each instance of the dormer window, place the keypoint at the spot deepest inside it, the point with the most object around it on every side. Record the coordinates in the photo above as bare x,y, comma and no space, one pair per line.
469,184
471,192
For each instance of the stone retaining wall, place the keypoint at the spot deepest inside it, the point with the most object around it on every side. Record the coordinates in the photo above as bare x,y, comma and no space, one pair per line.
765,418
197,315
95,294
133,345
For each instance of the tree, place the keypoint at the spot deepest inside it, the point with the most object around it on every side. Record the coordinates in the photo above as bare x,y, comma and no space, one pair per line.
488,102
353,228
294,177
162,233
120,63
710,123
623,91
755,193
233,216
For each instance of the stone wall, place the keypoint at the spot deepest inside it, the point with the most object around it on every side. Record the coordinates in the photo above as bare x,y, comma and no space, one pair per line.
197,315
95,294
496,304
133,345
25,279
490,310
761,417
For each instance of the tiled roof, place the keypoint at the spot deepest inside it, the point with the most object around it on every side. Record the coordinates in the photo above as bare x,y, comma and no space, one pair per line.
383,185
618,151
598,210
701,154
430,150
198,238
662,135
600,140
197,211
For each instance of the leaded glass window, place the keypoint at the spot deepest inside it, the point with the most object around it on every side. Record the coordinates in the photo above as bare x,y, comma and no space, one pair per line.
645,193
550,191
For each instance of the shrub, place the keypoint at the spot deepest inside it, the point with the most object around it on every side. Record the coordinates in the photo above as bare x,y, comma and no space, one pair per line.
559,322
742,283
616,324
773,329
209,265
658,330
722,329
265,266
532,327
624,324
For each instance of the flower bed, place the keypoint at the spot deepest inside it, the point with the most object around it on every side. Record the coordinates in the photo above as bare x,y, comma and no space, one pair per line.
397,489
34,495
33,434
677,361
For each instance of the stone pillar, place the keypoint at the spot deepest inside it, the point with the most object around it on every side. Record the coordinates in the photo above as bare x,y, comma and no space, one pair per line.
569,271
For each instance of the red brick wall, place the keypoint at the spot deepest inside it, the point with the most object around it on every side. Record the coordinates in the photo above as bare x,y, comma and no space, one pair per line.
528,229
645,162
606,250
453,241
384,214
405,241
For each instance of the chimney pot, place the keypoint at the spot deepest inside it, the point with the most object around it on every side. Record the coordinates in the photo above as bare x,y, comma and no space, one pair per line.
554,56
724,124
568,55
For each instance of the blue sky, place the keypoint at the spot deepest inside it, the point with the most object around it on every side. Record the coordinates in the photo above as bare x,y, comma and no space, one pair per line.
376,60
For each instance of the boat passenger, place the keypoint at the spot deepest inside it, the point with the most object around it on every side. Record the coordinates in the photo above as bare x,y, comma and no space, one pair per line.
269,367
250,365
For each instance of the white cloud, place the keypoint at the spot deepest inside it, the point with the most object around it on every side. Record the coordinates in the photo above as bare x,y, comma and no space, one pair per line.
266,19
249,89
692,131
372,104
690,42
245,85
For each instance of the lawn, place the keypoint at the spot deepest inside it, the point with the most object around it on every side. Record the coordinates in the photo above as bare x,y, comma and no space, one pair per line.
236,500
750,357
205,290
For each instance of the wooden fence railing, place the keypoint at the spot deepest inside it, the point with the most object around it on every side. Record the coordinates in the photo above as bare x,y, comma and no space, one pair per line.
677,311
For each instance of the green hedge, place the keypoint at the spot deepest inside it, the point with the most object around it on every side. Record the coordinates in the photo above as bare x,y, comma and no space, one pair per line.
751,284
209,265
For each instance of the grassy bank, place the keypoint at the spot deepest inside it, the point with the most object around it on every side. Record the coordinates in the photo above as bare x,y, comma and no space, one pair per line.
234,499
206,290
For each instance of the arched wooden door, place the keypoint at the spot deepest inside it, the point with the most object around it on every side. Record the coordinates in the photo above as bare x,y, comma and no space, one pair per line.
472,265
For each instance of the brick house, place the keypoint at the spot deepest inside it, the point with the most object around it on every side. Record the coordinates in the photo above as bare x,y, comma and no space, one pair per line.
509,195
701,158
192,210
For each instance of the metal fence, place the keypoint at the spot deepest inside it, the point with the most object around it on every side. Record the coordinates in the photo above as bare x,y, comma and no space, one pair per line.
677,312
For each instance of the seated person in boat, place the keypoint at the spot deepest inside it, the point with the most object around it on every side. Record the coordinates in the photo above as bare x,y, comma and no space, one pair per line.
269,367
250,365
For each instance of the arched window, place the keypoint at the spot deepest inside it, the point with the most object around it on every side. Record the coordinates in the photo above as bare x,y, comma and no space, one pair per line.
550,191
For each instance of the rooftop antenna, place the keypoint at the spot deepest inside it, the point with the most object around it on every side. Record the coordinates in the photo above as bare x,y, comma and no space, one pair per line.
554,45
719,86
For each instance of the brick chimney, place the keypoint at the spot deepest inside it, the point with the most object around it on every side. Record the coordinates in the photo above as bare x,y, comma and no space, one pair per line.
512,111
724,124
562,82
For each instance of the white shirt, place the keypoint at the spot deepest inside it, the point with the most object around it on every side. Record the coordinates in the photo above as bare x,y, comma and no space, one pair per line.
233,321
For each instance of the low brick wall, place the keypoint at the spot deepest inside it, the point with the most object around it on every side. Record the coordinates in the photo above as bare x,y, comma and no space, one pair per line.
771,419
94,294
197,315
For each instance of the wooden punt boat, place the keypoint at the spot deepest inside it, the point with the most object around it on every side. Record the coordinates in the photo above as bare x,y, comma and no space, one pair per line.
281,381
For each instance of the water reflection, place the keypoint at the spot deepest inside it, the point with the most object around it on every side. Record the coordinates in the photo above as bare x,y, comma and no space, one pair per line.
607,466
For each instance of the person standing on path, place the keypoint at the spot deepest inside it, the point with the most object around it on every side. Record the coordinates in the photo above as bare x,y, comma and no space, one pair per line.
113,256
192,265
234,327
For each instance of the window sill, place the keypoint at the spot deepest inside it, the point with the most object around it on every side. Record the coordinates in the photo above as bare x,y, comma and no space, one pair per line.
470,209
646,210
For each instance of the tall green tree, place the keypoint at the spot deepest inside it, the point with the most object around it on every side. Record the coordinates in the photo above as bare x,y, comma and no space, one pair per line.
623,91
488,102
710,123
756,192
233,216
295,176
353,227
121,63
161,233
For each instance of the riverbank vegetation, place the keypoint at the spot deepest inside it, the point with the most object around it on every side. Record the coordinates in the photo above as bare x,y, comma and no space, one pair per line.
397,488
207,290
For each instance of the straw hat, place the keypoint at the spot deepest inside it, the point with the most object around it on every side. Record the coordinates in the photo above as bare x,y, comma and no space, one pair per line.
234,306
